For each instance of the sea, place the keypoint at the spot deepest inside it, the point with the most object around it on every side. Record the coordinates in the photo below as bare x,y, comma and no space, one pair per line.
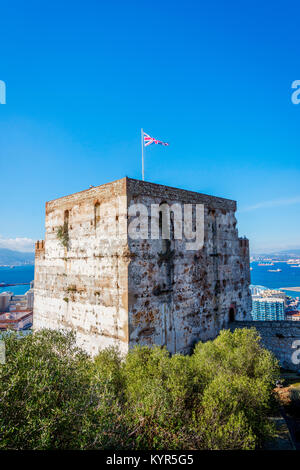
287,277
16,275
260,275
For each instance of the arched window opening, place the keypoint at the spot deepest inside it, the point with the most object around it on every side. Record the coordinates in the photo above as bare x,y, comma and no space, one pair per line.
164,226
96,214
66,217
63,231
231,315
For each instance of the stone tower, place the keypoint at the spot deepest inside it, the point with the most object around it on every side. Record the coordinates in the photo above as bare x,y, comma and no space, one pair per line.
114,288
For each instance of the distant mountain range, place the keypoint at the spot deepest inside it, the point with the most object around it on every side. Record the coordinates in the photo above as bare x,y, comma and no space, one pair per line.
289,252
15,258
280,255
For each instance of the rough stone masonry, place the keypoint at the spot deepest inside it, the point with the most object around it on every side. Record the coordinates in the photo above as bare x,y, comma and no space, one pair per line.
92,277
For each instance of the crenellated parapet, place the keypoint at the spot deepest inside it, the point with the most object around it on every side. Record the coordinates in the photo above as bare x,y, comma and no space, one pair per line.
39,248
244,245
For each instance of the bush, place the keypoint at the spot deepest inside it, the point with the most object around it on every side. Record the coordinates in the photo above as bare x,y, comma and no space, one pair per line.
239,353
48,397
158,393
234,413
53,396
217,398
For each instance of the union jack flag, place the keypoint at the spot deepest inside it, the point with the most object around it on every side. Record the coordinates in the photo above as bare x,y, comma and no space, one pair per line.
150,140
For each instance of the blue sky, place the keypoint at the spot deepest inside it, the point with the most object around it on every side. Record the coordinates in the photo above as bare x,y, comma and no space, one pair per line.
212,78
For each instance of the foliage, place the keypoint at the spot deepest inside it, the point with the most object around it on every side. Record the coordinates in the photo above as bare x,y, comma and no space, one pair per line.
238,353
63,234
53,396
159,393
217,398
294,396
47,398
72,289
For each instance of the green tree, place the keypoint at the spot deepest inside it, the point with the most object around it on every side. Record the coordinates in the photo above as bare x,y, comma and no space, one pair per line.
217,398
53,396
49,398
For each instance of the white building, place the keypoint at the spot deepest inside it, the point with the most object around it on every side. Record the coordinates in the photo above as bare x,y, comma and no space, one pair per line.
10,302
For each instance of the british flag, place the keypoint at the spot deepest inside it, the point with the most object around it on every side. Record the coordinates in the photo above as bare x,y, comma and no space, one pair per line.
150,140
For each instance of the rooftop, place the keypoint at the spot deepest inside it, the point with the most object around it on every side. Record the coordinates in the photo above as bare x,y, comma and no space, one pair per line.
132,186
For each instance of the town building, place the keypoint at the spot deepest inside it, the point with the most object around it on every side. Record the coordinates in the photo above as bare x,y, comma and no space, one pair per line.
16,320
268,309
16,310
293,315
273,293
256,290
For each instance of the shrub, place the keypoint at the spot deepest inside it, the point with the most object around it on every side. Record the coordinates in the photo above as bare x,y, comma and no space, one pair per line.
62,234
234,412
239,353
157,395
48,399
107,371
53,396
217,398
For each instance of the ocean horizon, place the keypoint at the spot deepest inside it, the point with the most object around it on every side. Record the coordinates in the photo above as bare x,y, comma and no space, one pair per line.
287,277
16,275
260,275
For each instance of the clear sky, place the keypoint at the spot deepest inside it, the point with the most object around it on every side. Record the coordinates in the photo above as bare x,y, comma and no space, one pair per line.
212,78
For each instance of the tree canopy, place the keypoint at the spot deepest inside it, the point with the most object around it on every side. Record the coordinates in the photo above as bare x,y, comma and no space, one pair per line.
54,396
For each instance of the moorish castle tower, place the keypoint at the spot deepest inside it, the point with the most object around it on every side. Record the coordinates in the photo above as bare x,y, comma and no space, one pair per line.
112,288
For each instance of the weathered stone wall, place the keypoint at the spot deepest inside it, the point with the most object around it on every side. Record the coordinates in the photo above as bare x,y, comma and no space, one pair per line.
178,297
113,290
278,337
84,286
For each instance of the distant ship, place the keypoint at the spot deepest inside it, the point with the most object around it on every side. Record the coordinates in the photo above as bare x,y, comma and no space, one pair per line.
274,270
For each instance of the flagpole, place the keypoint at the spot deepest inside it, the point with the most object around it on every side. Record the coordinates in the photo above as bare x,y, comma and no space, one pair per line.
142,138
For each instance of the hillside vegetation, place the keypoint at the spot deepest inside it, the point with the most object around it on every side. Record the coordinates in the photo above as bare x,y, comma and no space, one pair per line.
53,396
